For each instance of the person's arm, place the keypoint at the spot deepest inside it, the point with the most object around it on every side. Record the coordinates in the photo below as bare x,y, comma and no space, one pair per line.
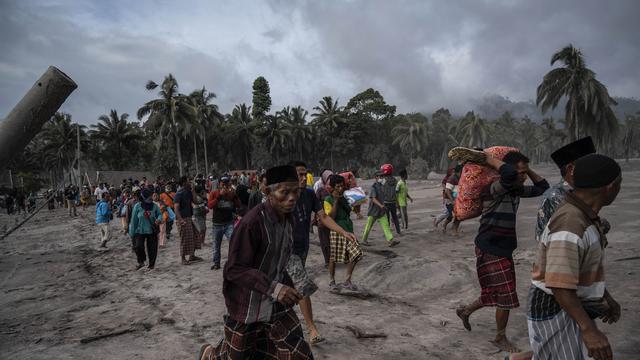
158,214
176,207
540,185
595,341
448,191
134,221
328,222
243,248
213,199
374,197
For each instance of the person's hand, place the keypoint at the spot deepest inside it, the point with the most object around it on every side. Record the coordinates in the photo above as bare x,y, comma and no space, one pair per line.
288,296
606,226
350,236
382,206
597,344
613,313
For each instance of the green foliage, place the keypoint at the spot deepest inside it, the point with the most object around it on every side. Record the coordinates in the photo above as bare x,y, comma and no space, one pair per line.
261,98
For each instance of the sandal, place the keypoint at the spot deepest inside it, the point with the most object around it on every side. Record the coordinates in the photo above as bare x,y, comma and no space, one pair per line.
317,340
349,286
333,286
464,317
464,155
195,258
186,262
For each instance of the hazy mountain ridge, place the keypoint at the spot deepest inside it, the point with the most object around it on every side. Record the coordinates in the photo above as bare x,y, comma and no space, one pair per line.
493,106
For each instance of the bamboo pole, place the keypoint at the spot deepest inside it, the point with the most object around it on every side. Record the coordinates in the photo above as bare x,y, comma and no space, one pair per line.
25,220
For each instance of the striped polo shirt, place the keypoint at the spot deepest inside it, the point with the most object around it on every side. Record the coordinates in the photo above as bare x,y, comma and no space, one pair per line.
571,252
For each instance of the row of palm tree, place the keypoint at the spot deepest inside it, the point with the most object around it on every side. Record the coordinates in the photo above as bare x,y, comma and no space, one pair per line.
341,137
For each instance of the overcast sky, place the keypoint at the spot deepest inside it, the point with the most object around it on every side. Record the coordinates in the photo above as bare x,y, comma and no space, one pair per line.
421,55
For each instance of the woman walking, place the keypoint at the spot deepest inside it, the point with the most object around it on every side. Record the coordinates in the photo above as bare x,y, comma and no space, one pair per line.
343,249
145,218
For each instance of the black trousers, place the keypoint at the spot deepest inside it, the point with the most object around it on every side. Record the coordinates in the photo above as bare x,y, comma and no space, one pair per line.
325,244
392,214
152,248
169,226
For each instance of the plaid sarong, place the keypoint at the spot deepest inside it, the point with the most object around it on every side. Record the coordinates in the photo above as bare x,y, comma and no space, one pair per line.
281,339
199,238
187,237
497,277
343,250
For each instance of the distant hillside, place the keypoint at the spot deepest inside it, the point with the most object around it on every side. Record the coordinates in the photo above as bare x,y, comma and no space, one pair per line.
491,107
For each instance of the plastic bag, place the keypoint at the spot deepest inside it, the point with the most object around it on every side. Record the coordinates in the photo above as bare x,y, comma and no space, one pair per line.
355,196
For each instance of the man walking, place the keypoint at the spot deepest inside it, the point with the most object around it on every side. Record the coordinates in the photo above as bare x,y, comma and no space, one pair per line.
496,239
70,195
183,203
223,202
377,212
390,196
307,204
104,216
568,289
402,192
258,292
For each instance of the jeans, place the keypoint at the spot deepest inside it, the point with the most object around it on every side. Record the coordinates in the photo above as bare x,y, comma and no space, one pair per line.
220,230
392,215
152,248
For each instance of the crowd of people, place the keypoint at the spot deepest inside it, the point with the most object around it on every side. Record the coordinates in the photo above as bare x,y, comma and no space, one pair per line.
268,216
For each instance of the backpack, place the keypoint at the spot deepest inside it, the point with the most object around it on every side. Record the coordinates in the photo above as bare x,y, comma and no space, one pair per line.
389,190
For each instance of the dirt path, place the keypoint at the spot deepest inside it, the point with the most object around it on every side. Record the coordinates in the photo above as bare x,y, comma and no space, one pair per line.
61,294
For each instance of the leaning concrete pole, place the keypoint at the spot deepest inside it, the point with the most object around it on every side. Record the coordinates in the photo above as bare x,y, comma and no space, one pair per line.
36,107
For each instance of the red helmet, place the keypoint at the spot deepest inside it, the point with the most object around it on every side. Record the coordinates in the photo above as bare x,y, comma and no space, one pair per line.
387,169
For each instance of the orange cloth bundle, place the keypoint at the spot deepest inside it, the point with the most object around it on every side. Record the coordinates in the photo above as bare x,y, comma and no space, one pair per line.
473,181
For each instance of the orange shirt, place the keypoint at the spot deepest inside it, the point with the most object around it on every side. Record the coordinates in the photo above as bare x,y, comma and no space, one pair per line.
168,198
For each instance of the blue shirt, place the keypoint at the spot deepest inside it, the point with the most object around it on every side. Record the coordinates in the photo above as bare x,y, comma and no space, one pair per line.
141,220
307,203
103,212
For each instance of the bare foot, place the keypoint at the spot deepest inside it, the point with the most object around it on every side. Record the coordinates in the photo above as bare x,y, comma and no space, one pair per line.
464,316
504,344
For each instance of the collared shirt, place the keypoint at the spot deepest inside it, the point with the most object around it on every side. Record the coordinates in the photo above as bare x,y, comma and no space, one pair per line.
551,201
571,252
497,233
259,251
307,203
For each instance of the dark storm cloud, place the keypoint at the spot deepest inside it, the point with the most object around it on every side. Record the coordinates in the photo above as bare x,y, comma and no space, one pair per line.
499,46
420,55
111,71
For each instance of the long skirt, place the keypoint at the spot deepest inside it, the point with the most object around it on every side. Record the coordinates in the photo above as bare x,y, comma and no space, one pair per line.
281,339
497,277
187,237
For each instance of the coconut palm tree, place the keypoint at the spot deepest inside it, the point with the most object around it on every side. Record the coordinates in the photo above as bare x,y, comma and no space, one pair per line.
473,130
588,108
328,118
60,138
277,135
207,117
301,134
170,114
117,136
411,134
241,127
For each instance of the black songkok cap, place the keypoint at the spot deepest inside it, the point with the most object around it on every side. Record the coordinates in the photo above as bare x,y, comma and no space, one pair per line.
595,171
572,152
278,174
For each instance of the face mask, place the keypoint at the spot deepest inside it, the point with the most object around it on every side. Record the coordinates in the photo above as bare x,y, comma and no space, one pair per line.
381,181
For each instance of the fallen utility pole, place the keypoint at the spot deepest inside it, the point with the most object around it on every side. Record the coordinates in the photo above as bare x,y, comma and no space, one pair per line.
34,110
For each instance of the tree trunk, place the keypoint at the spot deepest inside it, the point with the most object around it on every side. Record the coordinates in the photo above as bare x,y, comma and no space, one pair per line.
195,153
206,158
246,159
179,152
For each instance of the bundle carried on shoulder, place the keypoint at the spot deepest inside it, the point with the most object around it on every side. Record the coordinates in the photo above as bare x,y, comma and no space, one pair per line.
356,196
474,180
